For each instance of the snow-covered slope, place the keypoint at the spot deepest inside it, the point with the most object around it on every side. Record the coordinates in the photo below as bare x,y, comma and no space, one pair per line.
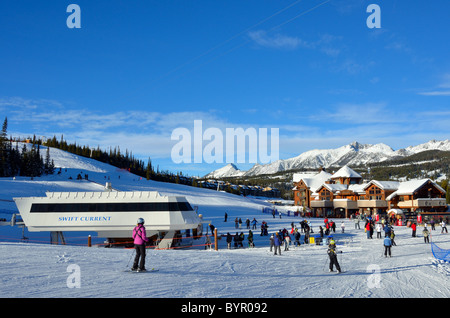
42,270
352,154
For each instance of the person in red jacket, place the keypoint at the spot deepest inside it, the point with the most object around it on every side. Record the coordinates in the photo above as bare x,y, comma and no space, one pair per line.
414,228
140,238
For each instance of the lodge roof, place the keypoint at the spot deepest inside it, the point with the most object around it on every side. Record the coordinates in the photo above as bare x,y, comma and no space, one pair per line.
384,185
346,172
409,187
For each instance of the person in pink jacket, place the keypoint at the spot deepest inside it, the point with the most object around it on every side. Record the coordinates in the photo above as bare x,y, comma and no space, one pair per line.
140,238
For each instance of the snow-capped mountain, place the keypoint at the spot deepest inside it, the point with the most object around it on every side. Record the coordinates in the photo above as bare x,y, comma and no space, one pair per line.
230,170
352,154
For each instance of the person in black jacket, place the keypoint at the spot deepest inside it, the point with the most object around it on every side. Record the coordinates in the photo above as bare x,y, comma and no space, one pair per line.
333,257
229,240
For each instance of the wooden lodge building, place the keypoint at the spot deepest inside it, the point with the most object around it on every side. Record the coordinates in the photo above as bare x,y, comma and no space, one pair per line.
344,194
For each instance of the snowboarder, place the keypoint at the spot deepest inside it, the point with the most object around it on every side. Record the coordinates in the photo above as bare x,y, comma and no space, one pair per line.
387,246
140,238
332,254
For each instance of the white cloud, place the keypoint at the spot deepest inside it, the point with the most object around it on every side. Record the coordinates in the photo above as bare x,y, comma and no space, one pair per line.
277,41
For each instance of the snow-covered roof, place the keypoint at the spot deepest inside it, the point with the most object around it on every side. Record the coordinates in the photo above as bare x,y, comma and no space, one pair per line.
346,172
313,182
384,185
335,187
408,187
358,188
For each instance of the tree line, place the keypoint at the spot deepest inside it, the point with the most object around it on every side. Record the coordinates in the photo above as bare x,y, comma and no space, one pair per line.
26,161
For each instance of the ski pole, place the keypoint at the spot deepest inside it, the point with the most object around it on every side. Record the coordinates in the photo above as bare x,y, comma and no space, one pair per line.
325,265
132,254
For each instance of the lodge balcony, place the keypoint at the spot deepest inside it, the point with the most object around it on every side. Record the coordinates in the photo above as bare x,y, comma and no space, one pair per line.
422,203
321,204
345,204
372,204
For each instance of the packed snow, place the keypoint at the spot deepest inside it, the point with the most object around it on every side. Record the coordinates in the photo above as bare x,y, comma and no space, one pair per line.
34,268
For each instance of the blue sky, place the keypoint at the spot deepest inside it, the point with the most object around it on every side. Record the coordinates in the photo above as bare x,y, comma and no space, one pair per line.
136,70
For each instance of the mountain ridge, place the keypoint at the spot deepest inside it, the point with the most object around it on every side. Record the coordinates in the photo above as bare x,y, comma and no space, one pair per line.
354,154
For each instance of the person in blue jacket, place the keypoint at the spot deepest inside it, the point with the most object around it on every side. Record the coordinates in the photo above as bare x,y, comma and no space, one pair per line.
387,246
387,231
277,243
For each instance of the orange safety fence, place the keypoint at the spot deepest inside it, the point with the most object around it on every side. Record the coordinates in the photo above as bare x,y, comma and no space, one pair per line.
71,240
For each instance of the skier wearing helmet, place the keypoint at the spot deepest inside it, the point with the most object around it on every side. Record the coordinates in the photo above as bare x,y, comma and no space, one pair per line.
140,238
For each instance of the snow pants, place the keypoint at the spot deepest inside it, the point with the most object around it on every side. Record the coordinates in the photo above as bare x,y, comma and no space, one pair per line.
334,262
387,250
140,255
277,247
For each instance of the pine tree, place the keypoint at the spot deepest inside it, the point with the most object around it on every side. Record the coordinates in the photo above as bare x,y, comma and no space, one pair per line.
149,170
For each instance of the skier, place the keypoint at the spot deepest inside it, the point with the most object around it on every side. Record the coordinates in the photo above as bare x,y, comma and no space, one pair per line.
333,226
212,229
387,246
254,224
250,239
432,224
387,231
287,241
368,229
272,242
297,236
277,244
443,227
236,240
342,226
241,239
426,235
229,240
333,257
140,238
392,238
379,227
413,228
357,222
